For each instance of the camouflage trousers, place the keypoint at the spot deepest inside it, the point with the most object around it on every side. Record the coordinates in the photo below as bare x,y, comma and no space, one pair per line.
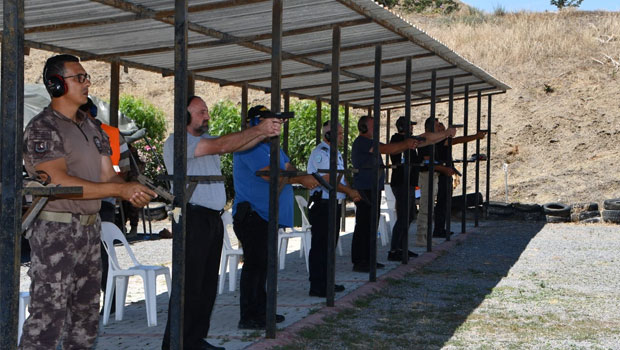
66,276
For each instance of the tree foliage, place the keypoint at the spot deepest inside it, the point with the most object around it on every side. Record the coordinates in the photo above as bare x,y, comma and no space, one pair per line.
560,4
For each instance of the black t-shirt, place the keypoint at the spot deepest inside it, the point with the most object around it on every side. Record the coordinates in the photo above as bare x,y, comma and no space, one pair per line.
364,160
398,175
442,153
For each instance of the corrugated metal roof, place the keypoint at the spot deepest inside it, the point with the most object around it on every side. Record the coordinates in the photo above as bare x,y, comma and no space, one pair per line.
230,43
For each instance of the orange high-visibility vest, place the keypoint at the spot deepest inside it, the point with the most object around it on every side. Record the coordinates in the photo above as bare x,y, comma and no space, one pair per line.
115,142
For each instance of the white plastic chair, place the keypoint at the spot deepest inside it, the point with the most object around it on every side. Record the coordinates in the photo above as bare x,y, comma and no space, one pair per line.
118,278
388,205
230,256
304,234
24,301
302,204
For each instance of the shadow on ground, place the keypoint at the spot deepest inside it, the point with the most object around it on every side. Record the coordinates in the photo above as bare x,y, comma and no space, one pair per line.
424,309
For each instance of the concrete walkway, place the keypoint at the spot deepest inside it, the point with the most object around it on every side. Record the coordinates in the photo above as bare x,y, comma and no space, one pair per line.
293,300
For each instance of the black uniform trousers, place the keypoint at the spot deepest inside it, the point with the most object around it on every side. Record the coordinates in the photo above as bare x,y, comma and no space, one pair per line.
251,230
441,208
401,227
318,216
203,249
360,245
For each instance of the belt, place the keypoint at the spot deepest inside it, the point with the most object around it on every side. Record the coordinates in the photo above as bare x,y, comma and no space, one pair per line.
66,218
218,212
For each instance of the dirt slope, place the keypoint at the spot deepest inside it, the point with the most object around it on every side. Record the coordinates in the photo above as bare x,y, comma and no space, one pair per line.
561,145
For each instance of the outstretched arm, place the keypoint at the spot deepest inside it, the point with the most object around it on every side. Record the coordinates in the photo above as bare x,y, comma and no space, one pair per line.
464,139
240,140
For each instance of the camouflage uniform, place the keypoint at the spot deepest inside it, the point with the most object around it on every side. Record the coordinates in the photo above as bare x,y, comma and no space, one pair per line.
65,259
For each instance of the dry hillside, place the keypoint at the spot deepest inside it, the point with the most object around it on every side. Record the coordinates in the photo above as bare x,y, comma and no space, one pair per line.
560,145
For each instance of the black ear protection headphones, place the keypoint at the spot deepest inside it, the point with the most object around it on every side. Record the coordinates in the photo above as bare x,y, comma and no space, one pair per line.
327,134
361,124
55,85
189,115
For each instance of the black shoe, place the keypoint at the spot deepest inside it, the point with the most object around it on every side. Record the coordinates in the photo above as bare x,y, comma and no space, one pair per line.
441,234
209,346
280,318
337,288
395,255
361,267
380,265
251,324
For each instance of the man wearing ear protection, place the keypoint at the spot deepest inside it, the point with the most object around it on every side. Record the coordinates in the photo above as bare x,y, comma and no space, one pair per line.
318,210
251,217
70,149
205,231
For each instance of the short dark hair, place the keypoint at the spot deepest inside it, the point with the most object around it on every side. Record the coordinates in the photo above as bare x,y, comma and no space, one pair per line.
362,123
428,124
55,65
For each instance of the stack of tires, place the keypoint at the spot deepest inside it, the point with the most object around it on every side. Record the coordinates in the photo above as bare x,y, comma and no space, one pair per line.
585,213
612,211
556,212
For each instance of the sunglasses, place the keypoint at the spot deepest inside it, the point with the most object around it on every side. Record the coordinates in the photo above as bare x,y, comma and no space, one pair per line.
81,78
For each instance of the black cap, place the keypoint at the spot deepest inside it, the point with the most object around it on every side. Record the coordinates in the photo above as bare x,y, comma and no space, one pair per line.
259,112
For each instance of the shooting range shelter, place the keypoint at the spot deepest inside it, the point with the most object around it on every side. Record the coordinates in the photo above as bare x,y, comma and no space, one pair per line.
353,53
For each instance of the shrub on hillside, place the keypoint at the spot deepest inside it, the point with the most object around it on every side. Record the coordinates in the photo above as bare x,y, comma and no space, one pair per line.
388,3
149,117
560,4
419,6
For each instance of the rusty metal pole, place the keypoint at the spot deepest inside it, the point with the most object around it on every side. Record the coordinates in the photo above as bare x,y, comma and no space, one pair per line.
345,159
488,191
448,206
12,101
177,301
319,121
477,183
431,168
464,184
274,172
191,84
287,107
244,105
387,140
407,154
332,231
375,193
115,70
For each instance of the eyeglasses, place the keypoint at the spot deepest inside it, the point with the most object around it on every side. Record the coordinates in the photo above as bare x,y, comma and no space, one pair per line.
81,78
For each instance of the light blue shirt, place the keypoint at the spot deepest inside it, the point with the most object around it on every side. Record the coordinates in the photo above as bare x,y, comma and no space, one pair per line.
210,195
319,159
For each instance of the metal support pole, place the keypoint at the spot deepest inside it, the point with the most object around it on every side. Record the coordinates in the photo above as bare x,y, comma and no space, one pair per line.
387,140
274,172
488,182
345,159
12,101
319,121
180,170
244,106
287,107
115,70
332,232
431,168
449,190
464,184
191,84
375,193
407,170
477,184
370,111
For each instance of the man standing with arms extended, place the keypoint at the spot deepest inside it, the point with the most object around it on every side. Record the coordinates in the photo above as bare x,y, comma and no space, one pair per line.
71,150
251,218
318,210
205,230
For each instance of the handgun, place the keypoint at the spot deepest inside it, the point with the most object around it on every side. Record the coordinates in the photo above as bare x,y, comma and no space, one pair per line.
322,181
279,115
157,189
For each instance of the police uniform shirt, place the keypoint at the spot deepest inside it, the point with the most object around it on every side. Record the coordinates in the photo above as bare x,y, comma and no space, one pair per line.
398,174
50,136
210,195
319,159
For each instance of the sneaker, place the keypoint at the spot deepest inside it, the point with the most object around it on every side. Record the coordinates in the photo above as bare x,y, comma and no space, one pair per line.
258,325
397,255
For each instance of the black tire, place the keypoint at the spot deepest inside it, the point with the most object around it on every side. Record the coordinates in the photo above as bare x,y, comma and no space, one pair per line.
500,209
611,216
581,207
584,215
556,209
158,210
591,220
551,219
612,204
527,208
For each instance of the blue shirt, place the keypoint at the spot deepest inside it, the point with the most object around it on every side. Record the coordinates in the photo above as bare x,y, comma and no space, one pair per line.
254,189
364,160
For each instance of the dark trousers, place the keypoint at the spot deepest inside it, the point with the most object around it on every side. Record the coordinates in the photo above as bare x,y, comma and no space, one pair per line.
251,231
360,246
318,216
401,227
444,190
107,214
203,248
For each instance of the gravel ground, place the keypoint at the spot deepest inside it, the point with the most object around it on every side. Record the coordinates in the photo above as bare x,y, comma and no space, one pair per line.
510,285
